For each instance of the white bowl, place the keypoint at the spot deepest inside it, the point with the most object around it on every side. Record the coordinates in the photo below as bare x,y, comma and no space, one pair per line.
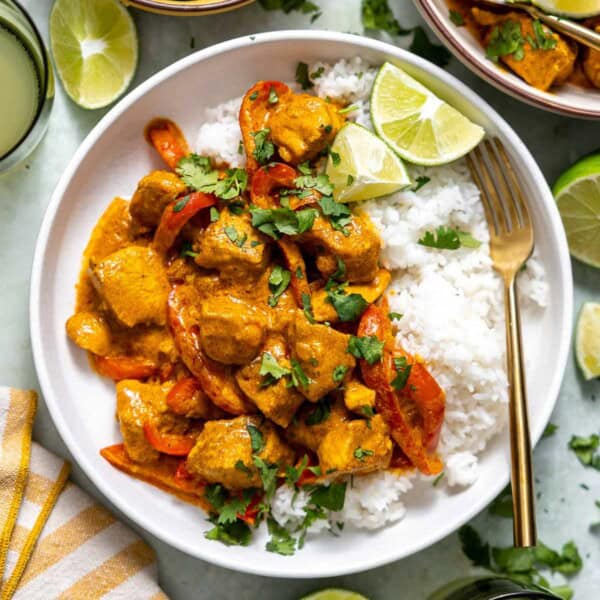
570,100
114,157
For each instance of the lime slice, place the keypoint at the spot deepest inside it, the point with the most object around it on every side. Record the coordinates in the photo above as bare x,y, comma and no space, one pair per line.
367,167
577,193
95,49
334,594
587,340
418,125
570,8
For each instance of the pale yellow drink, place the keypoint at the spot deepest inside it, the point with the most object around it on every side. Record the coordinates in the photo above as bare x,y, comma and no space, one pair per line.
19,91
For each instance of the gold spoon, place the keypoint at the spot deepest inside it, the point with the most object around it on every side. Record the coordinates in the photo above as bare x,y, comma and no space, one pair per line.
583,35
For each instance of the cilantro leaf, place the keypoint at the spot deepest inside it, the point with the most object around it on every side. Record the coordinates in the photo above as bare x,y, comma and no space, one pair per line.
320,183
231,534
278,282
302,76
299,377
196,172
271,370
447,238
186,250
420,182
339,214
369,348
506,39
216,496
256,438
456,17
268,474
232,185
585,449
544,40
264,148
320,413
293,474
340,271
307,308
276,222
339,373
234,507
549,430
395,316
181,204
348,307
474,548
367,410
330,497
281,541
240,466
214,214
377,14
360,453
287,6
402,373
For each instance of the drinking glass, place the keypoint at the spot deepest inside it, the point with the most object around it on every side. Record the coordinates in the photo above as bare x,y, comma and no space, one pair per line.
491,588
26,85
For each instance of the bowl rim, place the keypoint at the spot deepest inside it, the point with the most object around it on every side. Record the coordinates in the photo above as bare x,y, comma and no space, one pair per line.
185,9
487,70
36,312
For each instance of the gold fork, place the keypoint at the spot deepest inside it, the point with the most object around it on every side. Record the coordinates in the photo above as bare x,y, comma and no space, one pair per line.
511,244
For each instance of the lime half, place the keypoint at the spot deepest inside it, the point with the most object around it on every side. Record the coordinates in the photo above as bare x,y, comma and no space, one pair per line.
587,340
367,167
418,125
570,8
577,193
95,49
334,594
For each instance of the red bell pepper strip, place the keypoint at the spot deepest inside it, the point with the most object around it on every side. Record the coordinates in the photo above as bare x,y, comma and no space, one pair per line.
125,367
178,398
252,510
168,140
176,215
254,112
268,179
173,444
403,415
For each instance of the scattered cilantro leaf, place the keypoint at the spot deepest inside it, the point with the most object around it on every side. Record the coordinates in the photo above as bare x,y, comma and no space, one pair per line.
231,233
506,39
234,507
369,348
402,373
420,182
302,76
338,214
456,17
214,214
377,14
474,548
340,272
330,497
268,475
316,74
544,39
264,148
279,280
256,438
447,238
360,453
336,159
395,316
439,478
240,466
231,534
271,370
549,430
276,222
320,413
232,185
307,308
281,542
348,307
293,474
196,172
216,496
186,250
287,6
585,449
273,97
299,377
348,109
339,373
368,411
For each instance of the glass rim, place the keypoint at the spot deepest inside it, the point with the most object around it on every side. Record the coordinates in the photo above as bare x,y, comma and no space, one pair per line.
44,84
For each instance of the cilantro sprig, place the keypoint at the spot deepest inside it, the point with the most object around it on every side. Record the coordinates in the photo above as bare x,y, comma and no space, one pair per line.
276,222
586,450
279,280
448,238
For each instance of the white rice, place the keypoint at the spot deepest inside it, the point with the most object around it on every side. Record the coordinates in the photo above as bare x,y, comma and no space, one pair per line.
451,302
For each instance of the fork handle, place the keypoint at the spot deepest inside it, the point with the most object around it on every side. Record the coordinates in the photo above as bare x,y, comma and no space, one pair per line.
524,530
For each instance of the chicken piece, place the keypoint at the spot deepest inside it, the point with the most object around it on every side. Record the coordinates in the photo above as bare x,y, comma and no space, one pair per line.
359,398
359,249
232,331
223,452
154,192
232,246
312,423
133,283
319,350
90,331
302,126
324,311
591,60
138,403
277,401
540,67
187,398
356,447
153,343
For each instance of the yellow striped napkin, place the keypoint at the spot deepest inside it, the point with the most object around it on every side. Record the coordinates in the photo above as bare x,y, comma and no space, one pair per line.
55,541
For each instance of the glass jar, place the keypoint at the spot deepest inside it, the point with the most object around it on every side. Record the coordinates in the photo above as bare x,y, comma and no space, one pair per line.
491,588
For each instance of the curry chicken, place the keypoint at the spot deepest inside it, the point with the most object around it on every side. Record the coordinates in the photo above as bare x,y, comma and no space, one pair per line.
242,315
543,58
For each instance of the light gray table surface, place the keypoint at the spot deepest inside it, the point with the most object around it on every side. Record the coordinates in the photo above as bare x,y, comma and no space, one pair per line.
566,508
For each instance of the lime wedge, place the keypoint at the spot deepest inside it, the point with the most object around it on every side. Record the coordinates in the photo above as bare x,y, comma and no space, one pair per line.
334,594
95,49
367,167
587,340
577,193
570,8
418,125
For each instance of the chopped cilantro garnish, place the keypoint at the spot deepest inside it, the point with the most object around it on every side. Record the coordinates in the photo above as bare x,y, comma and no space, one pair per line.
293,474
299,377
340,272
256,438
281,541
240,466
302,76
335,158
368,411
235,506
350,180
264,148
316,74
338,214
544,40
420,182
214,214
307,308
181,204
253,96
395,316
299,273
273,97
447,238
320,413
402,372
585,449
348,307
376,14
231,534
276,222
339,372
347,109
268,475
271,370
457,18
549,430
369,348
437,480
197,172
506,39
231,233
320,183
330,497
233,185
186,250
304,168
360,453
303,6
278,282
